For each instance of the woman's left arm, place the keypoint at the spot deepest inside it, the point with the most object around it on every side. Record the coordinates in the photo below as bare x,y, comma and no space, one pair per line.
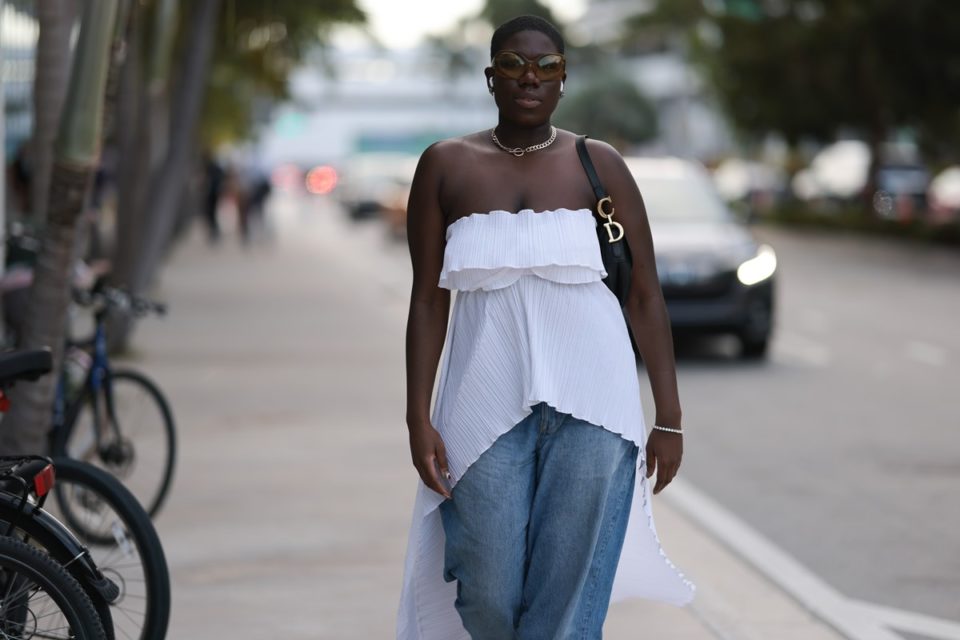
647,313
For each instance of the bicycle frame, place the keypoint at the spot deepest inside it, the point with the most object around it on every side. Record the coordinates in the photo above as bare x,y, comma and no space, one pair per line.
96,384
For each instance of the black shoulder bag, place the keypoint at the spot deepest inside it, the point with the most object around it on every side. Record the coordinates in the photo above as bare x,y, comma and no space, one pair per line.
614,250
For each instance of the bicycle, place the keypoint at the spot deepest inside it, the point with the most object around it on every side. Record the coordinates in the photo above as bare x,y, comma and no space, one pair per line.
123,543
122,540
40,599
31,583
92,418
115,419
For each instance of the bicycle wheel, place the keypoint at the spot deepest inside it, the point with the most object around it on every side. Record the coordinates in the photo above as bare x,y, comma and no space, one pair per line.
144,455
40,599
123,543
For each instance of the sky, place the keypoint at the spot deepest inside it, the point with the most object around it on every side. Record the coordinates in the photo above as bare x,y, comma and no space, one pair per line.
400,24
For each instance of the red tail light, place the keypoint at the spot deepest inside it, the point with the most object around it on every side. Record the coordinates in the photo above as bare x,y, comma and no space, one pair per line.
43,481
4,402
321,180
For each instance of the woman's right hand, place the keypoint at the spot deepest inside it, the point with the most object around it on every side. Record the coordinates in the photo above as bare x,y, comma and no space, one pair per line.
430,458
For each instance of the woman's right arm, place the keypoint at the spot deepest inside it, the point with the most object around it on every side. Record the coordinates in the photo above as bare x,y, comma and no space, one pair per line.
427,320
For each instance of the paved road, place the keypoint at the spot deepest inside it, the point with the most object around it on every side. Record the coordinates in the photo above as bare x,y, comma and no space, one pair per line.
844,447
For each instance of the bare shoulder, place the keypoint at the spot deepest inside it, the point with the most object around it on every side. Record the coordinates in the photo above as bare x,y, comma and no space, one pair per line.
604,155
610,164
453,150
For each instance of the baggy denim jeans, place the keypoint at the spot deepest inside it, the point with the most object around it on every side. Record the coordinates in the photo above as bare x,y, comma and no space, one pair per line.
535,527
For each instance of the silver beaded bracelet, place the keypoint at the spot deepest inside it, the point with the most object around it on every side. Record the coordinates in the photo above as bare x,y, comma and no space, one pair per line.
659,428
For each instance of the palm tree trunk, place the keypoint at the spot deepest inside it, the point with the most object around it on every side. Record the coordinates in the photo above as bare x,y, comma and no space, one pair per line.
56,18
166,189
133,140
76,153
143,139
165,192
158,78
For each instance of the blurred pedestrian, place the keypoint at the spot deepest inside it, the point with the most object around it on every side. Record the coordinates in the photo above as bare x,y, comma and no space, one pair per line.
213,188
250,185
529,461
19,175
257,191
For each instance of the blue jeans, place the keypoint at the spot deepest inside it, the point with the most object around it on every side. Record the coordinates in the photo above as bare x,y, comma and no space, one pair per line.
535,527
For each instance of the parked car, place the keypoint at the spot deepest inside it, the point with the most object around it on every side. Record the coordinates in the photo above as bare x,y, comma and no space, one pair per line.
716,278
840,174
901,191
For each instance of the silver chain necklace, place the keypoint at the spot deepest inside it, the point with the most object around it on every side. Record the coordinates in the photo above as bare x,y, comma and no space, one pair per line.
519,151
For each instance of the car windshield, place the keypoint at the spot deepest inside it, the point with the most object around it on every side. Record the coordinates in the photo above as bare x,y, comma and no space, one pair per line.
680,198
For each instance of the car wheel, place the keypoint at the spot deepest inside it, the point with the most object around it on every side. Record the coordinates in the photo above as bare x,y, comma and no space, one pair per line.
753,348
755,333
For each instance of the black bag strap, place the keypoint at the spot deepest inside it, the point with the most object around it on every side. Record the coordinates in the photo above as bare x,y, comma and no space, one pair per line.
587,163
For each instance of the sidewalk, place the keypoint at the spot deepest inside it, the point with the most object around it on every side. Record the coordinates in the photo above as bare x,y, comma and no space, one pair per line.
294,490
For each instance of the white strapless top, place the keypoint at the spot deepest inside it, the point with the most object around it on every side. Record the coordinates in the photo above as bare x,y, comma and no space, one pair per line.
493,250
532,322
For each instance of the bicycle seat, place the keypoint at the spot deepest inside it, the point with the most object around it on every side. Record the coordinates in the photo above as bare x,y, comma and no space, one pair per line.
24,365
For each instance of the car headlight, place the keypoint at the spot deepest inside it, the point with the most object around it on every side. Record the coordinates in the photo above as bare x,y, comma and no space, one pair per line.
758,268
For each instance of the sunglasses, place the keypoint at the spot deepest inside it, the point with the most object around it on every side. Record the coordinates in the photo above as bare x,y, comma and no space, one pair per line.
511,64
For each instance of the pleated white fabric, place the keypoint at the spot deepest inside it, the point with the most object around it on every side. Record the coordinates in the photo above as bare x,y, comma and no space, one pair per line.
532,322
493,250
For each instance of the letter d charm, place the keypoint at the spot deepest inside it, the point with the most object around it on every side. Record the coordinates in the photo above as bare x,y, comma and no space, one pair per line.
610,232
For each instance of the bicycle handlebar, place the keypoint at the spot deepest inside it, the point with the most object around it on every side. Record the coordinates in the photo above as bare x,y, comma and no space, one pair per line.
113,298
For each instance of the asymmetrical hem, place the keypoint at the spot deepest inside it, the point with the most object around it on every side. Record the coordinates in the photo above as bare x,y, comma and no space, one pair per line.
532,322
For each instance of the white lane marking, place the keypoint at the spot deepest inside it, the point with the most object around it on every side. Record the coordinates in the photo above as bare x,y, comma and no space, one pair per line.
926,353
913,622
797,347
855,619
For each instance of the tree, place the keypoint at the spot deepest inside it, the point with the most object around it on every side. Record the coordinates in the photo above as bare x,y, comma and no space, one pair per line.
56,20
143,132
231,57
164,191
811,70
75,158
623,117
258,45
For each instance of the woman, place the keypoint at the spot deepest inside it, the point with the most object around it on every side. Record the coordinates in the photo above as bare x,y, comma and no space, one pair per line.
529,461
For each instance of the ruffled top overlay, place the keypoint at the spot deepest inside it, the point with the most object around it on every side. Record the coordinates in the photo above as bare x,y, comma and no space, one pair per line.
532,322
